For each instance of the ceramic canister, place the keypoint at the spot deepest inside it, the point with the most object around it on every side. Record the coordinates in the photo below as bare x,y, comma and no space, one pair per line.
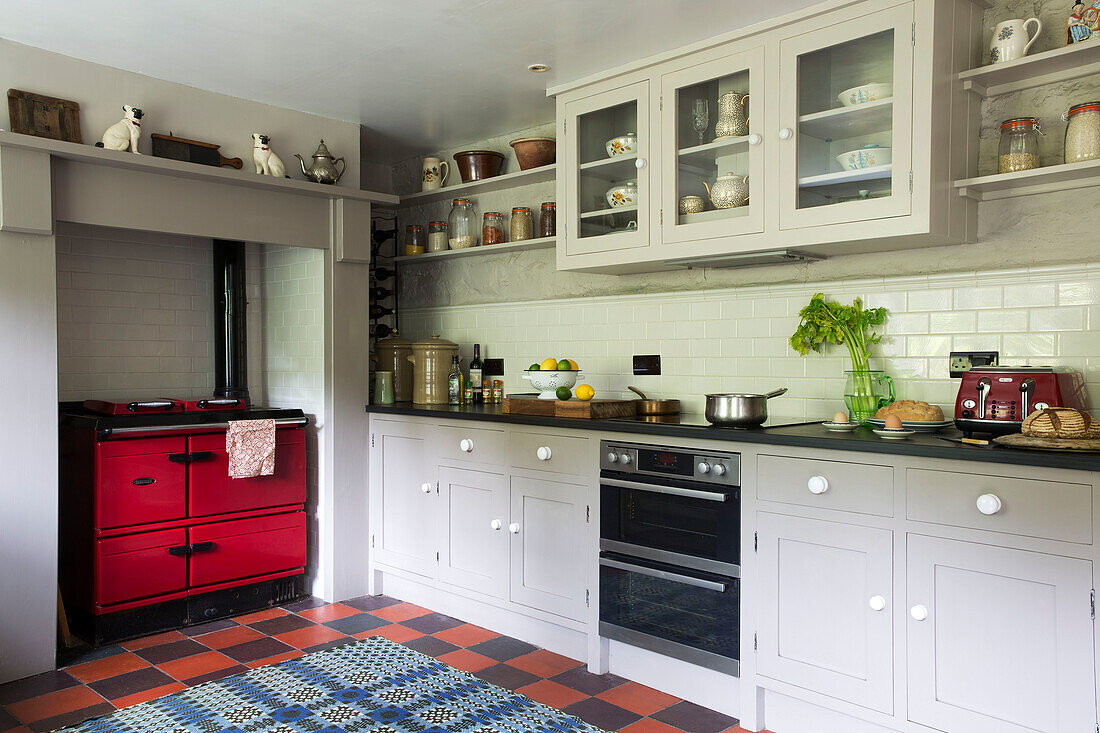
433,173
392,355
431,362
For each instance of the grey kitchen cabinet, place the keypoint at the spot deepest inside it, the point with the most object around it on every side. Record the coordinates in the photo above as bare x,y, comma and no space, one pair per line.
996,639
473,536
405,493
825,607
548,552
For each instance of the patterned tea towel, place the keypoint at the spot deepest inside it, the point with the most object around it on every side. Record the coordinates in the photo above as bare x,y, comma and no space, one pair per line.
250,445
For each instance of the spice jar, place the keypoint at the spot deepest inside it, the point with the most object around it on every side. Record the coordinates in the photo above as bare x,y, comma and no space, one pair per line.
548,220
414,239
437,236
1082,132
462,223
498,391
1019,146
521,224
492,228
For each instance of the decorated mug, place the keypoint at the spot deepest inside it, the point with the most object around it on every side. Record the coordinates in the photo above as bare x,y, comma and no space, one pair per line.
434,173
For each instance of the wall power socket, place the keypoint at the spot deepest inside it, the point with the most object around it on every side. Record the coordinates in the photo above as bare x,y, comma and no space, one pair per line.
962,361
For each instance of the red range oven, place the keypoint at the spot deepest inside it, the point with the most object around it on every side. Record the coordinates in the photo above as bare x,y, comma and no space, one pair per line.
154,535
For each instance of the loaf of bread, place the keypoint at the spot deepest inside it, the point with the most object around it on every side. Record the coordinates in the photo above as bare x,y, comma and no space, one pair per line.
911,411
1060,422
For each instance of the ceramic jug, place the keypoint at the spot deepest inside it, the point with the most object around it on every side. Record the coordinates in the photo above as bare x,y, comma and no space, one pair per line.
733,116
729,191
434,174
392,355
1010,39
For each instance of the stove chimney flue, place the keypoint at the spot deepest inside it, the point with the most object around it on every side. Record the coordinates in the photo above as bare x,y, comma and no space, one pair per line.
230,323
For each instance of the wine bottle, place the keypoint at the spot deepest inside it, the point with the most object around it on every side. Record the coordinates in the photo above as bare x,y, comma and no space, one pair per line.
381,331
377,293
383,273
475,374
377,311
454,383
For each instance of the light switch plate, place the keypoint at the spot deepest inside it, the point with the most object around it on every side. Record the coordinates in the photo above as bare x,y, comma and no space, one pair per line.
647,364
962,361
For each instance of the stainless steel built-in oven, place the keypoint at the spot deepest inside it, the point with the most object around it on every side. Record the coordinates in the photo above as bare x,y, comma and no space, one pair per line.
670,533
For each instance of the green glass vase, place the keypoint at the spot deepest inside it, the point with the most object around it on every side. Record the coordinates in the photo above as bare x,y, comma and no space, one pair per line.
864,393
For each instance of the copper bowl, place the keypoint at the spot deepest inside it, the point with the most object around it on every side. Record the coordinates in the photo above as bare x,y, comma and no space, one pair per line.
474,165
534,152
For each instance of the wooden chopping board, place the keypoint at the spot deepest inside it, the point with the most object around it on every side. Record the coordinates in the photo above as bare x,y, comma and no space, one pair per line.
590,410
1019,440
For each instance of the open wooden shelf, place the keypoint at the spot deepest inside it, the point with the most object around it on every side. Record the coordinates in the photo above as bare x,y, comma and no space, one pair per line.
462,190
1038,180
541,243
848,122
833,179
1041,69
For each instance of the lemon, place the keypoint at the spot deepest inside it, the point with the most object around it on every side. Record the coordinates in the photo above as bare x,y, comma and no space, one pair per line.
585,392
534,368
573,365
549,364
563,393
564,365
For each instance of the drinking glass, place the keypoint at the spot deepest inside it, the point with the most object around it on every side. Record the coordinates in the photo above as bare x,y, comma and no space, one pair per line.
700,117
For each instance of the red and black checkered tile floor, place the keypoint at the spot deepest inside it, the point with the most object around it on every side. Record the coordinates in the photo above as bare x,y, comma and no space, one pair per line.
98,681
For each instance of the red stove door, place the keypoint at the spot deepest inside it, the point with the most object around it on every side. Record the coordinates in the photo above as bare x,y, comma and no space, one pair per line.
213,492
242,548
140,566
140,481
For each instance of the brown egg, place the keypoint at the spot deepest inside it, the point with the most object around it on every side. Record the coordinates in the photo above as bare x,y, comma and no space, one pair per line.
893,422
840,417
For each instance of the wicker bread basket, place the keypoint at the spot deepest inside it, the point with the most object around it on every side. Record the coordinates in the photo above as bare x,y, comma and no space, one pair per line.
1060,422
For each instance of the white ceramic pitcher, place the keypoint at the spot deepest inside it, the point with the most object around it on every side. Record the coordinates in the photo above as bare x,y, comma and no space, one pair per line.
1010,39
434,172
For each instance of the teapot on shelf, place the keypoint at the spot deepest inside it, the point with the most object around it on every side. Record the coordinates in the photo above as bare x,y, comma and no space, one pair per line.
324,168
728,191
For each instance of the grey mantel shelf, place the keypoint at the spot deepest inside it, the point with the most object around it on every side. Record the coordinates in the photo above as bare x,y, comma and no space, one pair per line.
800,436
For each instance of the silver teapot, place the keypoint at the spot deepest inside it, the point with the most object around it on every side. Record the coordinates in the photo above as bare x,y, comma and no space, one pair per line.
323,169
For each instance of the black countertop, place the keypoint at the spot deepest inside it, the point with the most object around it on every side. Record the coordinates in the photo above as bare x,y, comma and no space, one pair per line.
799,436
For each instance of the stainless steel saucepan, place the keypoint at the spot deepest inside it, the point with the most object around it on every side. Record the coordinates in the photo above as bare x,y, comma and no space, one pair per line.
739,410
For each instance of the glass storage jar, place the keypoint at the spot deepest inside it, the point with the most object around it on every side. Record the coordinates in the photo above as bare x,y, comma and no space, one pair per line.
437,236
521,224
548,220
492,229
1082,132
462,223
1019,146
414,239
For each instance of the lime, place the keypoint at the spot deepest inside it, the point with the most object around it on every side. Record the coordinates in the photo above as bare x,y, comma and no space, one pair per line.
564,393
534,368
564,365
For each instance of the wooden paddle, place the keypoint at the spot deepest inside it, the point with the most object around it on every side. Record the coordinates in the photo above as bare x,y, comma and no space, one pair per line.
191,151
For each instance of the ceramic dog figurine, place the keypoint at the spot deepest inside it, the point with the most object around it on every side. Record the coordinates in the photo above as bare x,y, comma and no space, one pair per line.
124,134
267,162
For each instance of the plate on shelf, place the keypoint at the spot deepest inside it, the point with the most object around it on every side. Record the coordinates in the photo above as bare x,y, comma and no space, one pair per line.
894,433
840,427
917,427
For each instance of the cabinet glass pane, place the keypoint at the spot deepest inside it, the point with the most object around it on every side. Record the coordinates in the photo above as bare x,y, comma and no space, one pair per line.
607,192
712,149
845,121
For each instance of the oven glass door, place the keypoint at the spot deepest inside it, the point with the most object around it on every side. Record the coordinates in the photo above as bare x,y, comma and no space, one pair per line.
672,515
686,607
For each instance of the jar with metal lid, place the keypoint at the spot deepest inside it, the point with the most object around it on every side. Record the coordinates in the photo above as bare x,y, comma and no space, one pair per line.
437,236
1019,146
1082,132
492,228
431,361
548,220
462,223
414,239
521,224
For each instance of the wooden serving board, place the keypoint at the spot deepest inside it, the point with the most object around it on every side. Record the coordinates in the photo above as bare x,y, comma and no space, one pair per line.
590,410
1020,440
42,116
191,151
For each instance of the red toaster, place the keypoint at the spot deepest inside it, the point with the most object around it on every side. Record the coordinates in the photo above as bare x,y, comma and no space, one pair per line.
996,399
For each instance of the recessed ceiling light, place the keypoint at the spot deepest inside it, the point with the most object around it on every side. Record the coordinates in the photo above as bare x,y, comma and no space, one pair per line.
539,68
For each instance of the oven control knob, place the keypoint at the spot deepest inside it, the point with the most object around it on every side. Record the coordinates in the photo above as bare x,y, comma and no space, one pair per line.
625,459
703,467
719,469
612,457
1041,405
969,404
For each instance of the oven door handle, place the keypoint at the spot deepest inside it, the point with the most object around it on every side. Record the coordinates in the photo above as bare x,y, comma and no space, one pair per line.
674,490
664,575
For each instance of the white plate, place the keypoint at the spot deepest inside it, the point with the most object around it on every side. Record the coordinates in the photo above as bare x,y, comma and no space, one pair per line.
840,427
894,434
919,427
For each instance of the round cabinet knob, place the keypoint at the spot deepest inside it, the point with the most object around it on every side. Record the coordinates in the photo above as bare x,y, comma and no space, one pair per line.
719,469
612,457
426,488
877,603
466,445
817,484
640,163
544,453
755,139
496,524
989,503
624,459
786,133
513,528
918,612
703,467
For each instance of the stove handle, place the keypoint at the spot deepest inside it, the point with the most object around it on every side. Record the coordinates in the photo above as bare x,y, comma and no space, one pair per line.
165,404
192,548
202,455
180,550
664,575
219,402
673,490
202,546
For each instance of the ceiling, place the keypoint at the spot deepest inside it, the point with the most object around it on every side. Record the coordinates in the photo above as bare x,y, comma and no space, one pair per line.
420,75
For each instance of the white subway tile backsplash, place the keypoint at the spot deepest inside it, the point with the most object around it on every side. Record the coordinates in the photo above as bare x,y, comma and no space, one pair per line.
1030,295
930,300
1058,319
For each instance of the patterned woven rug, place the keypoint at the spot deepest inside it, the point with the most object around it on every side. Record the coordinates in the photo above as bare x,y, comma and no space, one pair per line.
371,686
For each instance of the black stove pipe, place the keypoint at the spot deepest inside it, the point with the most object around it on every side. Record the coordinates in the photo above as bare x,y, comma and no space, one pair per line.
230,324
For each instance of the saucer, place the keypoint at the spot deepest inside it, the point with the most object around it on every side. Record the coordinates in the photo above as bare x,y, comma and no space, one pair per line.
840,427
893,433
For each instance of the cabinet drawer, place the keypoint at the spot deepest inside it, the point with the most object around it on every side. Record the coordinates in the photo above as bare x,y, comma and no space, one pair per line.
139,566
1028,507
471,444
214,492
247,547
849,487
138,487
545,452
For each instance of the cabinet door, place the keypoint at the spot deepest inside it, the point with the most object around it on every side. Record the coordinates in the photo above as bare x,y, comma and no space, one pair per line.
826,606
705,116
845,121
547,526
403,477
140,566
243,548
999,640
212,491
140,482
473,514
597,158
